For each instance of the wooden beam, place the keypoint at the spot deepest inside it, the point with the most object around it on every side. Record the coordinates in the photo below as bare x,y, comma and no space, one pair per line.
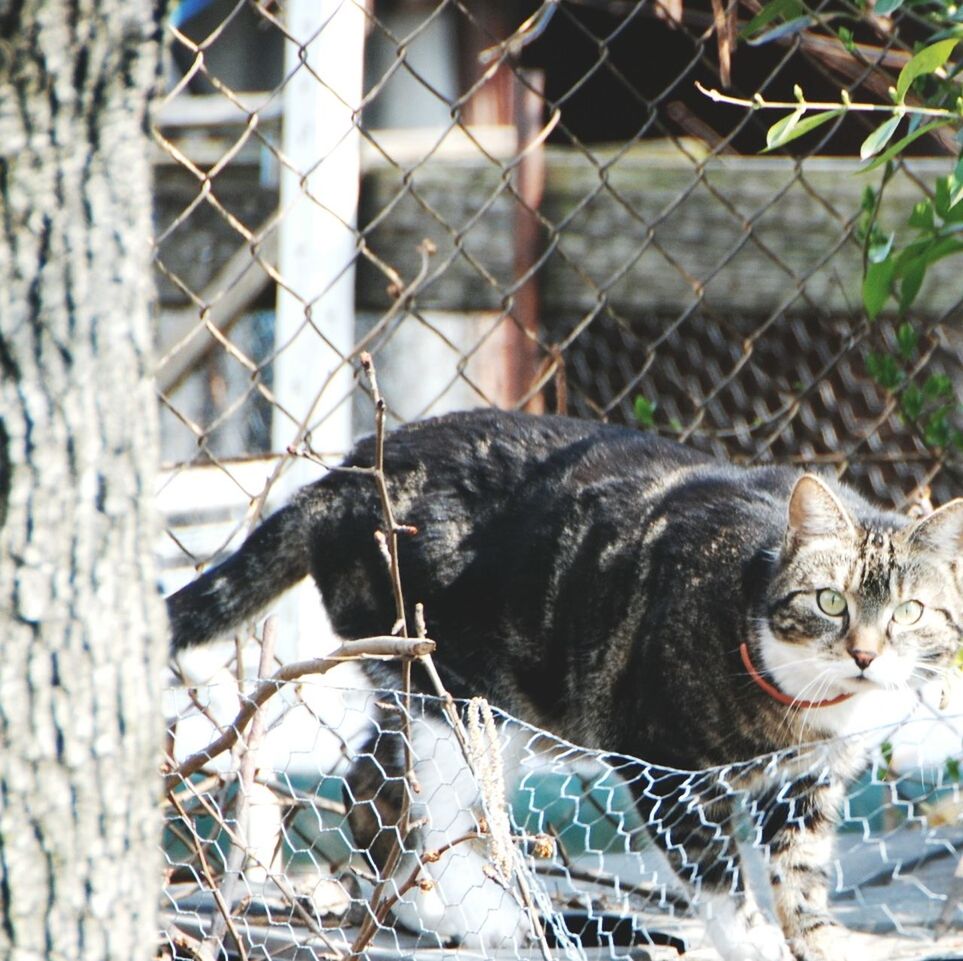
185,339
216,110
644,232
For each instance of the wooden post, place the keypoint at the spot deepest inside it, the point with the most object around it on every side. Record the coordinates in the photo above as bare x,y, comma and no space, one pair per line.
522,350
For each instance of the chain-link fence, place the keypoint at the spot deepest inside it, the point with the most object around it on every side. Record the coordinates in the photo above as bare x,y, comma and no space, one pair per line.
524,205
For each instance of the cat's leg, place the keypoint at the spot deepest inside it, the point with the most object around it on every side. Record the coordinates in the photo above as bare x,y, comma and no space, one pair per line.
376,791
691,822
457,895
795,824
739,930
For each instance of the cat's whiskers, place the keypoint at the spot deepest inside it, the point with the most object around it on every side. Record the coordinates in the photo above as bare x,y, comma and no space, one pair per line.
793,710
804,719
933,675
811,656
810,659
820,685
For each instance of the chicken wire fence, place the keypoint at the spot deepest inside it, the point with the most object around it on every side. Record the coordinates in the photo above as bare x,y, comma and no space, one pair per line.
525,205
492,838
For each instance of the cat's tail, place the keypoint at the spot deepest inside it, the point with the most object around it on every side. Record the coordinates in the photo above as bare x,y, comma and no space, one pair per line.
272,559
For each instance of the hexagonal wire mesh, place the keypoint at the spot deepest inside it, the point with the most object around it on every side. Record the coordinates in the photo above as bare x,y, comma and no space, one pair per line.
521,205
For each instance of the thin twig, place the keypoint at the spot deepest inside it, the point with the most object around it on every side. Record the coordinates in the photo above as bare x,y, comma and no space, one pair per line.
247,768
209,878
605,879
379,903
381,646
758,102
413,879
286,891
185,942
210,783
448,705
394,529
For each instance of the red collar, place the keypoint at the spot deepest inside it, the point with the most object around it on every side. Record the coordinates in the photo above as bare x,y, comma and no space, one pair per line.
774,691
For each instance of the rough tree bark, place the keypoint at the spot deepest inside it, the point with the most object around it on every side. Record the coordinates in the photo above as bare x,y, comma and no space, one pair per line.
81,624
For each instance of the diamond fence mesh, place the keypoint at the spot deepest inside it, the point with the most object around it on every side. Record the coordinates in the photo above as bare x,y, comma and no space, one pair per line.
533,206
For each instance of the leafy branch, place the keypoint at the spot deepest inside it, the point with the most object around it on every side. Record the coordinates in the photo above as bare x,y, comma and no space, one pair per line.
929,60
928,404
925,97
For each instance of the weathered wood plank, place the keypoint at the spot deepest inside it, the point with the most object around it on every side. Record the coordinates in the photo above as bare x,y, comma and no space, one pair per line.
232,290
641,233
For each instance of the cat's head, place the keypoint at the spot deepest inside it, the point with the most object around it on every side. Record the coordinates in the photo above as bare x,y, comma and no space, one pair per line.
856,607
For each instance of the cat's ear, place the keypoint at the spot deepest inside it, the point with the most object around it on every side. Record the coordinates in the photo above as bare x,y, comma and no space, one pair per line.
941,533
815,512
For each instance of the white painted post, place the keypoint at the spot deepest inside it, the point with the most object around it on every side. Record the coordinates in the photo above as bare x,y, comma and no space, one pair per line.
314,327
319,199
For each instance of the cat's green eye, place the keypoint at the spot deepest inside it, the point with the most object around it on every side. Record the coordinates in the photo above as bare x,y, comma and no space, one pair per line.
909,612
831,602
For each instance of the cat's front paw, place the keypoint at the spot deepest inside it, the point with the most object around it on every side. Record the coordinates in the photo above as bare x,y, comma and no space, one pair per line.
765,942
832,942
744,934
459,903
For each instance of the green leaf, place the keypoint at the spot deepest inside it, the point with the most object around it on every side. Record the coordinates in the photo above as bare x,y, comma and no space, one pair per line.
938,248
911,402
876,286
878,139
928,60
880,250
772,11
799,128
780,131
936,432
644,410
955,184
922,216
937,386
788,29
776,10
883,7
900,144
941,196
884,370
846,38
907,338
911,280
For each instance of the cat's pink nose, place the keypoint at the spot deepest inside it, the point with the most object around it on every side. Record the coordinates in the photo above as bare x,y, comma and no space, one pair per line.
863,658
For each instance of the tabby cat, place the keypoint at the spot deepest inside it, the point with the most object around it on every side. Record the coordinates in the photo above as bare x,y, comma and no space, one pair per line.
631,595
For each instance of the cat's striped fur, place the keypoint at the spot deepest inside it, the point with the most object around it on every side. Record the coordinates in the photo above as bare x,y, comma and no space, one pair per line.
598,582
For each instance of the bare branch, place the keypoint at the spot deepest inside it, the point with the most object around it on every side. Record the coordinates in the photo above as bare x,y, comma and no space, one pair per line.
376,647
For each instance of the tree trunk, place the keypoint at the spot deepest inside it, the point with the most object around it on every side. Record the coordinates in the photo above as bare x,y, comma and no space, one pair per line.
81,623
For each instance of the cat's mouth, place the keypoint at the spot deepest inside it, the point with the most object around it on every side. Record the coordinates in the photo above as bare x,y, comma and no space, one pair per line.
891,680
